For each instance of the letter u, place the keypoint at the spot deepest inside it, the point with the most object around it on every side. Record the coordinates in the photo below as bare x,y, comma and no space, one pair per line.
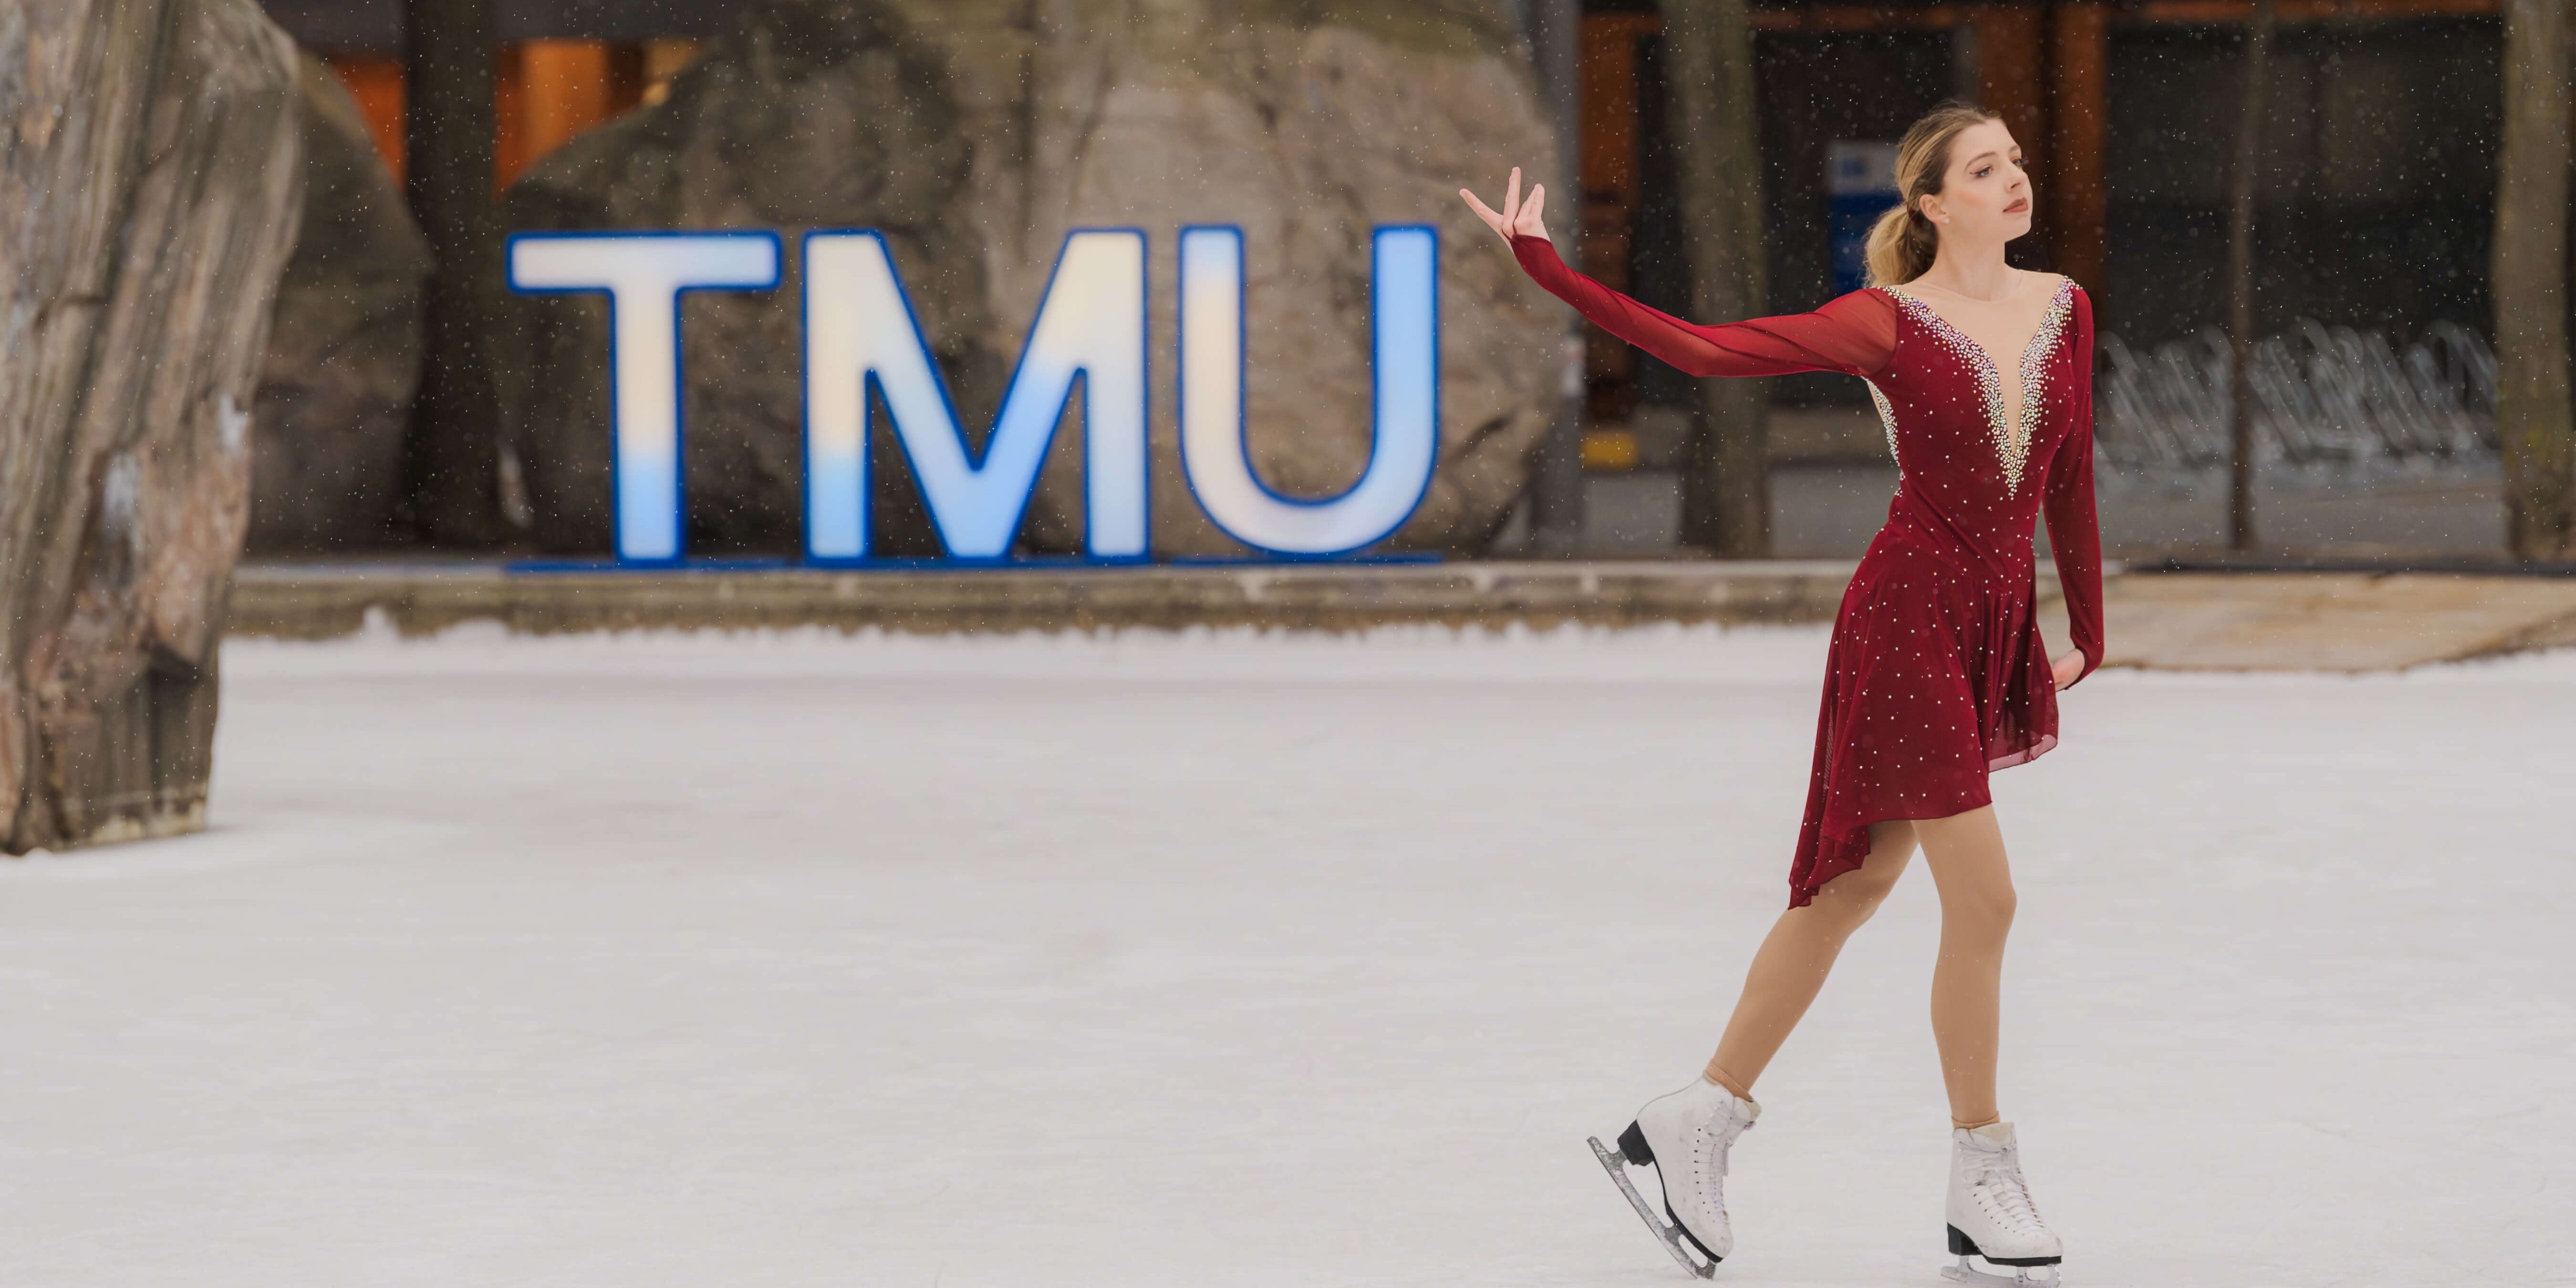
1405,343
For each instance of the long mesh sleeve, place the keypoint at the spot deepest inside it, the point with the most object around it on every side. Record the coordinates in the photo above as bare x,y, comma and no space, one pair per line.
2074,530
1854,334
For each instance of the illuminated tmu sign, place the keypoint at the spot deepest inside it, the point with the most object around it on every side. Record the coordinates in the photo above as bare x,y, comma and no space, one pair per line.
861,332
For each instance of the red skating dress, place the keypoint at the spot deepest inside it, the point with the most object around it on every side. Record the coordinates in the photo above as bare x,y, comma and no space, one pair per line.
1936,675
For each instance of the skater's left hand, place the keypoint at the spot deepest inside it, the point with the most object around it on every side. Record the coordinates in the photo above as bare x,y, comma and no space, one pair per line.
1518,217
2068,665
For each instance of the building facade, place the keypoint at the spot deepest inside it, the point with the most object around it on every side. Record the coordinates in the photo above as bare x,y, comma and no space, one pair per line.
2376,197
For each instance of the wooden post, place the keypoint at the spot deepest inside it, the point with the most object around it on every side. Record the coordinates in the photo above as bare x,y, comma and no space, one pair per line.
2012,65
452,463
2529,271
510,153
2078,204
1612,173
1726,494
2244,186
1555,29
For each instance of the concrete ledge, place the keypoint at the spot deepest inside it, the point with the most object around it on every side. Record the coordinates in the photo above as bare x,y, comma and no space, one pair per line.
324,601
2300,621
2338,621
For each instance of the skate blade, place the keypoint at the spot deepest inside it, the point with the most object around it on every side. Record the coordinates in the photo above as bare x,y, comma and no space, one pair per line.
2022,1276
1612,1163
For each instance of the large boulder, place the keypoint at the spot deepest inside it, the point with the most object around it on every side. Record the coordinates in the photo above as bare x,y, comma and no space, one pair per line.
343,360
974,134
148,194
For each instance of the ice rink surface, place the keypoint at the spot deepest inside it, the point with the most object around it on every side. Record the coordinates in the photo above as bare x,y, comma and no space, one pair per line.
1212,961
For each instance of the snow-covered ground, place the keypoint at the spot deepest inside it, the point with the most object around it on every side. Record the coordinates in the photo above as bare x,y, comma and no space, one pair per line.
1210,961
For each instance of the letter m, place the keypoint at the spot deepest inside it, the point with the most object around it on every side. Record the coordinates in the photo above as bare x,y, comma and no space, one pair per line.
860,331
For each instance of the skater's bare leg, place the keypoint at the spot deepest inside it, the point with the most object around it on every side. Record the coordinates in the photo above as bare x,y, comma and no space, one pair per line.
1797,955
1966,855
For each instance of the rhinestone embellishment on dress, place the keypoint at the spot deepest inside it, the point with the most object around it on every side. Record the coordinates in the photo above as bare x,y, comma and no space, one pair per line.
2012,443
1886,417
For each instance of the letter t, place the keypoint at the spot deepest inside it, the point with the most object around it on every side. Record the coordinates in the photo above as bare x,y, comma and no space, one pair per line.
644,275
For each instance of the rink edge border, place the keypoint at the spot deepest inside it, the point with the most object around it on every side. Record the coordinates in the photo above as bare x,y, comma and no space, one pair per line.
309,602
2222,621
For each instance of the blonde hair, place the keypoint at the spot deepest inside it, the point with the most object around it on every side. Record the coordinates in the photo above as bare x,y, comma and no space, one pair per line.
1903,241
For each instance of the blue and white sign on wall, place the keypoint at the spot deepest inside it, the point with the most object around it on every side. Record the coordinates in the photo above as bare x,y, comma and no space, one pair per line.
861,333
1860,184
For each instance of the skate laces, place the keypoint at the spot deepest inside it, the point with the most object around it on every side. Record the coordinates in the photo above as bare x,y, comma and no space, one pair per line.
1725,1136
1720,1144
1998,1183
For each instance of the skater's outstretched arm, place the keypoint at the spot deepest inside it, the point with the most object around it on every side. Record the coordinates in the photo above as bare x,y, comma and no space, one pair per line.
1855,334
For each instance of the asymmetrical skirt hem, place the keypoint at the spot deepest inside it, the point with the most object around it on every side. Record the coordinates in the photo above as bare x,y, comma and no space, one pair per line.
1935,677
1845,849
2047,742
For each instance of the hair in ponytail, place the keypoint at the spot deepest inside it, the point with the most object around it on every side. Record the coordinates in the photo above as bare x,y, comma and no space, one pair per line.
1903,241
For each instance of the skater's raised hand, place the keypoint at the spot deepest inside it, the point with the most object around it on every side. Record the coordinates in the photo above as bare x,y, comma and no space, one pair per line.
1518,217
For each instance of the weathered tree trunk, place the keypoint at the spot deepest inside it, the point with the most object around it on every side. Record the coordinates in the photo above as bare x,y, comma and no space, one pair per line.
1726,493
148,192
2245,180
453,461
2533,410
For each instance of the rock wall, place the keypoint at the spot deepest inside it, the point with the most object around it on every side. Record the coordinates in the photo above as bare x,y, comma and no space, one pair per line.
343,359
975,133
148,197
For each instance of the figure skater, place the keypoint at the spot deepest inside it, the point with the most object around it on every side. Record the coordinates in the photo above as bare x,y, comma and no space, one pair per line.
1982,375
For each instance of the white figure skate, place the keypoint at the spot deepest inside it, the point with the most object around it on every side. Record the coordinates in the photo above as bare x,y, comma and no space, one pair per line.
1991,1214
1685,1136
